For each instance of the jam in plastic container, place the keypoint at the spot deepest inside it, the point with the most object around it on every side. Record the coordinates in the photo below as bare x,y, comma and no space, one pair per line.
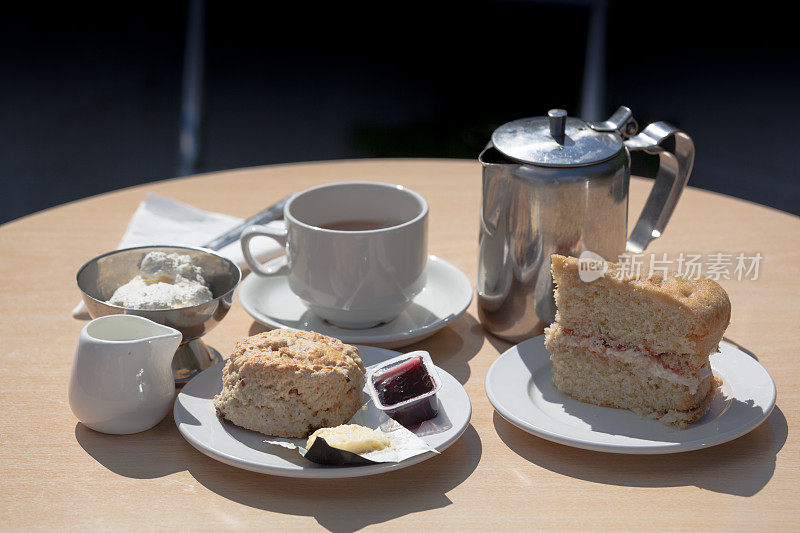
405,388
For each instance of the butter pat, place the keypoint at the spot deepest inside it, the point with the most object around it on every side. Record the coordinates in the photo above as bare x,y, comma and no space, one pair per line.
351,438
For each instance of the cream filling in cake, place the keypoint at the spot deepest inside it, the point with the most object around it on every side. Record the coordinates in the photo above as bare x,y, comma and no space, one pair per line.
642,361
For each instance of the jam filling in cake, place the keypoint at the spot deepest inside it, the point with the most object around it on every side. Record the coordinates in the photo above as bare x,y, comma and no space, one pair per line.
641,360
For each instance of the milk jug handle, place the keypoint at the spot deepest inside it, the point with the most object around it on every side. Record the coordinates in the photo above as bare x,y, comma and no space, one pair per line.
675,151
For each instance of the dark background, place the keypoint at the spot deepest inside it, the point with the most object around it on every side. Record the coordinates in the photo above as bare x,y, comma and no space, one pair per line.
90,98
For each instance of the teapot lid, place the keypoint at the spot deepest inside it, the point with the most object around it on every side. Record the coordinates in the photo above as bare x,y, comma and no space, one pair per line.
555,141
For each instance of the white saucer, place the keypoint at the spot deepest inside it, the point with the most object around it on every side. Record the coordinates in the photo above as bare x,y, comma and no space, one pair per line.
446,296
197,421
519,386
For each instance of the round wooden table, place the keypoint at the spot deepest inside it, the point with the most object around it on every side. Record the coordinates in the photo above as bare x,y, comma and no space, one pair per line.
56,473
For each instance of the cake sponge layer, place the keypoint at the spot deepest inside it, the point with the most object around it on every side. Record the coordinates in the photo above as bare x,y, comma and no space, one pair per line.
610,383
669,315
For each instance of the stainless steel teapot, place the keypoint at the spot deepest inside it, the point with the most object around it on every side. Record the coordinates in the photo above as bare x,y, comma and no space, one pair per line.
558,184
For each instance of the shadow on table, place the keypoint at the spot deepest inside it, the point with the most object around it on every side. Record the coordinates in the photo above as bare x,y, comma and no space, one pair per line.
497,343
451,348
454,346
157,452
353,503
741,467
337,504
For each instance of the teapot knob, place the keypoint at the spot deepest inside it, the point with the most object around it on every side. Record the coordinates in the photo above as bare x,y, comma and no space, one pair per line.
558,124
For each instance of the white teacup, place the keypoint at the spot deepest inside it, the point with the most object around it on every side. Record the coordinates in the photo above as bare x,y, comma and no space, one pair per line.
355,251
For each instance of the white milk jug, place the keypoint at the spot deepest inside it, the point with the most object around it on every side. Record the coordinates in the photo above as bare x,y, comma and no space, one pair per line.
121,380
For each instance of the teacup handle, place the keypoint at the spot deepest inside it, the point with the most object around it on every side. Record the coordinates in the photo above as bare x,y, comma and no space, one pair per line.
675,151
278,235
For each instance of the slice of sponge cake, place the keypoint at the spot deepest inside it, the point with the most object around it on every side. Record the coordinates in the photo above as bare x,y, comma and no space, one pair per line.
640,344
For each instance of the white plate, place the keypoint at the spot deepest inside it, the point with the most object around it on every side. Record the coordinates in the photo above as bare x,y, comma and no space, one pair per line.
197,421
519,386
446,296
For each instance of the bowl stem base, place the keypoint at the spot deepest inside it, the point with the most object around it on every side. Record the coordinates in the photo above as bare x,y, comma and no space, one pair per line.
191,359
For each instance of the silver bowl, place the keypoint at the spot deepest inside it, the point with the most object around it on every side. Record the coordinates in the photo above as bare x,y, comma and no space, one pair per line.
100,277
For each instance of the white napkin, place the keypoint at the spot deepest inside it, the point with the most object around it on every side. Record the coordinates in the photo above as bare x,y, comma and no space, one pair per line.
161,220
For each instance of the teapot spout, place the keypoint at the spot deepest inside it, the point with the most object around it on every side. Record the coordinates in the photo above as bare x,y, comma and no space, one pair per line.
491,156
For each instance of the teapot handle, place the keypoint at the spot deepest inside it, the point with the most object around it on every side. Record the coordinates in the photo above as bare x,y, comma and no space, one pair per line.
675,151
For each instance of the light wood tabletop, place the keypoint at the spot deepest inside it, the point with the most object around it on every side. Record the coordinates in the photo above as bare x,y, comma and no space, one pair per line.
57,474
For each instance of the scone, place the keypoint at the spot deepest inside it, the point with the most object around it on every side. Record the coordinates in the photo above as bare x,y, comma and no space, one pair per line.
289,383
639,344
